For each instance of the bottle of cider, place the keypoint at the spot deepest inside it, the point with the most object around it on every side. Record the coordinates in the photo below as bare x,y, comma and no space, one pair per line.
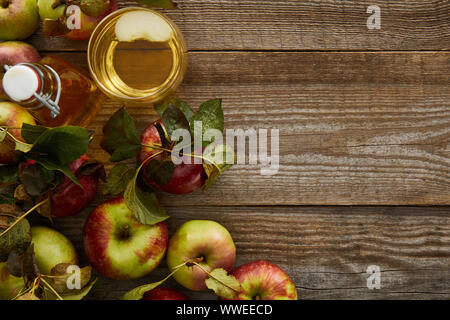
55,92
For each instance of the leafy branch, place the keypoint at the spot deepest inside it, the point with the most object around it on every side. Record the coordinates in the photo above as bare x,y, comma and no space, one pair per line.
218,280
138,293
19,145
122,141
53,148
51,289
223,284
22,217
143,204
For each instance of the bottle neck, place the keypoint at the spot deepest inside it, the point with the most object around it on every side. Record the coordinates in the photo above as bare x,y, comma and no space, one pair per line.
33,86
49,89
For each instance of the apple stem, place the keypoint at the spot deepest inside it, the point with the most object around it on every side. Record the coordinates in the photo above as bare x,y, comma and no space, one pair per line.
5,3
125,232
35,285
158,147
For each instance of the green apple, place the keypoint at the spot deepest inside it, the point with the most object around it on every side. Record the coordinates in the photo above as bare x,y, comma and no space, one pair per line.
13,116
94,8
206,242
118,245
51,248
10,286
19,19
49,9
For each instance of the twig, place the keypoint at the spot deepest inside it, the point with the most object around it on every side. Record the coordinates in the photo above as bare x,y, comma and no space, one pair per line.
209,274
22,217
51,289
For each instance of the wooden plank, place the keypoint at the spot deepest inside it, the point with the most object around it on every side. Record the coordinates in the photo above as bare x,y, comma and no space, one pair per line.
355,128
326,250
300,25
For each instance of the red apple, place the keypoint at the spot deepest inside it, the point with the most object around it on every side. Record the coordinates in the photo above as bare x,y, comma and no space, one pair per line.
68,198
14,52
164,294
262,280
206,242
88,24
186,178
118,245
12,115
18,19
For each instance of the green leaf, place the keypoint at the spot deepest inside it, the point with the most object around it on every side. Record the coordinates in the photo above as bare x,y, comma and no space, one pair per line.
223,284
118,179
61,145
7,199
217,161
138,293
120,138
23,264
23,147
166,4
91,167
180,104
19,145
160,171
31,133
143,204
55,148
18,238
174,119
210,114
61,168
36,179
9,174
80,294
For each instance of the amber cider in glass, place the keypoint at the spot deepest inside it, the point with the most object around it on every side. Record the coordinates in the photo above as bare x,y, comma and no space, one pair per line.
139,71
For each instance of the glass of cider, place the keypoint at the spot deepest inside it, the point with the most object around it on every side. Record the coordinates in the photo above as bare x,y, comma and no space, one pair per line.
137,55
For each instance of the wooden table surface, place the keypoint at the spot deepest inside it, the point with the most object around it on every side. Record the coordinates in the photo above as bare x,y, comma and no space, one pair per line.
364,120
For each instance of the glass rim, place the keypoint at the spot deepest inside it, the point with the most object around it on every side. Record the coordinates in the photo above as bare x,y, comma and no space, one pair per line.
165,87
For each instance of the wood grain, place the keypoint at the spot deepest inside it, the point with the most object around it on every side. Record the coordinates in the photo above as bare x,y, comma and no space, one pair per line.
355,128
326,250
300,25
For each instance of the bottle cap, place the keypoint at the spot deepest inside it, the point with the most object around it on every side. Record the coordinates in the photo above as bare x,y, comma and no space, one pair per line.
21,82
